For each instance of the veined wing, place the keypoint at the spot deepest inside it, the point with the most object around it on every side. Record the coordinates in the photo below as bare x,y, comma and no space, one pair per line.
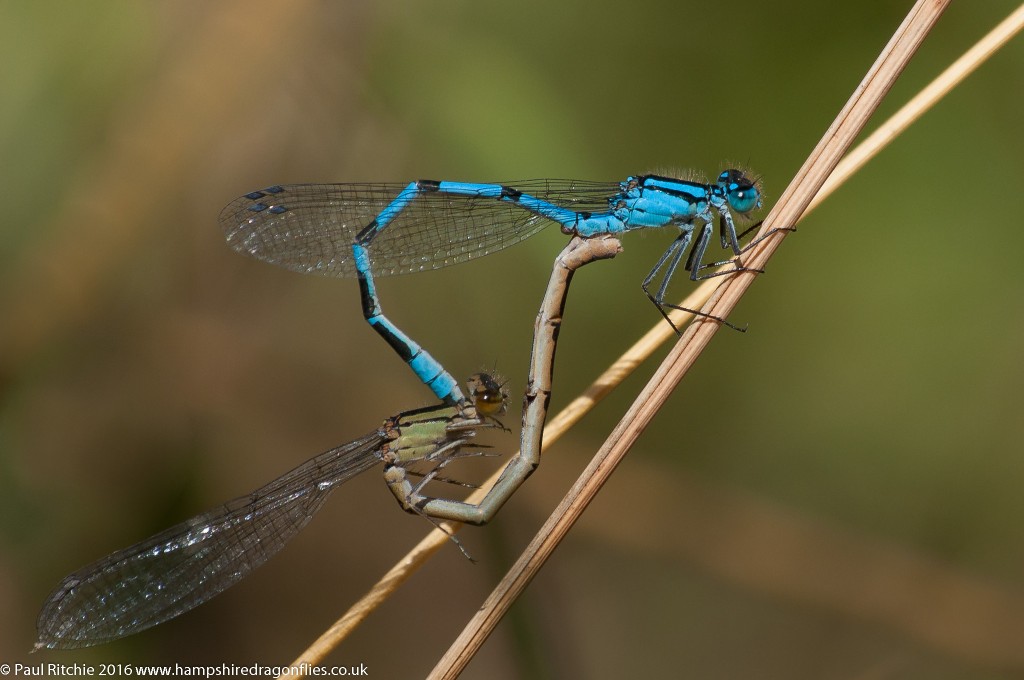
186,565
311,227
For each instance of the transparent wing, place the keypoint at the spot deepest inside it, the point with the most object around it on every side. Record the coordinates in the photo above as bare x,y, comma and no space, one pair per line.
311,227
186,565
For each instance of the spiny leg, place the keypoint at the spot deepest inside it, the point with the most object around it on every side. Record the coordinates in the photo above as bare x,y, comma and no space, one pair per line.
725,236
675,249
736,261
446,457
727,231
445,480
675,252
397,473
755,225
438,524
432,475
770,232
697,254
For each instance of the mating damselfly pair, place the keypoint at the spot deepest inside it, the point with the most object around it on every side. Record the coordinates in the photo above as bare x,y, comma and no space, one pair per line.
354,230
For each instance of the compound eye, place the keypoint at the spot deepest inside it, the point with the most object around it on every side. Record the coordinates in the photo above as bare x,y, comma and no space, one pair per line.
742,194
488,395
744,197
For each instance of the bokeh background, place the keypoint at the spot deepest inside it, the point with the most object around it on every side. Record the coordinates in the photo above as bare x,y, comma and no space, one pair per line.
853,511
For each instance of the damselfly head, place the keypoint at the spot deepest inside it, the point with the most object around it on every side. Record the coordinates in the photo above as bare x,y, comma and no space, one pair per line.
742,190
488,394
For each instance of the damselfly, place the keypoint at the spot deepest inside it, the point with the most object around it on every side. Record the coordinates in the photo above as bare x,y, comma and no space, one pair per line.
182,567
356,230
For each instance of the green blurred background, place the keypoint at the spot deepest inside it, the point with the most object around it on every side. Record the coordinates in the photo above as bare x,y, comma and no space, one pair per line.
853,511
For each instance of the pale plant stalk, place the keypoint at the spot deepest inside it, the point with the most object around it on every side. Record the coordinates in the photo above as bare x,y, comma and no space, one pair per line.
807,190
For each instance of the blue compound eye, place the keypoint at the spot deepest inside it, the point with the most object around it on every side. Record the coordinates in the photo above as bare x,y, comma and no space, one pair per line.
744,197
742,194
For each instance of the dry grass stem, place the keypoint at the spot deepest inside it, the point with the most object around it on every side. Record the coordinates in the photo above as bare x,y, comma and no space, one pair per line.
910,32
